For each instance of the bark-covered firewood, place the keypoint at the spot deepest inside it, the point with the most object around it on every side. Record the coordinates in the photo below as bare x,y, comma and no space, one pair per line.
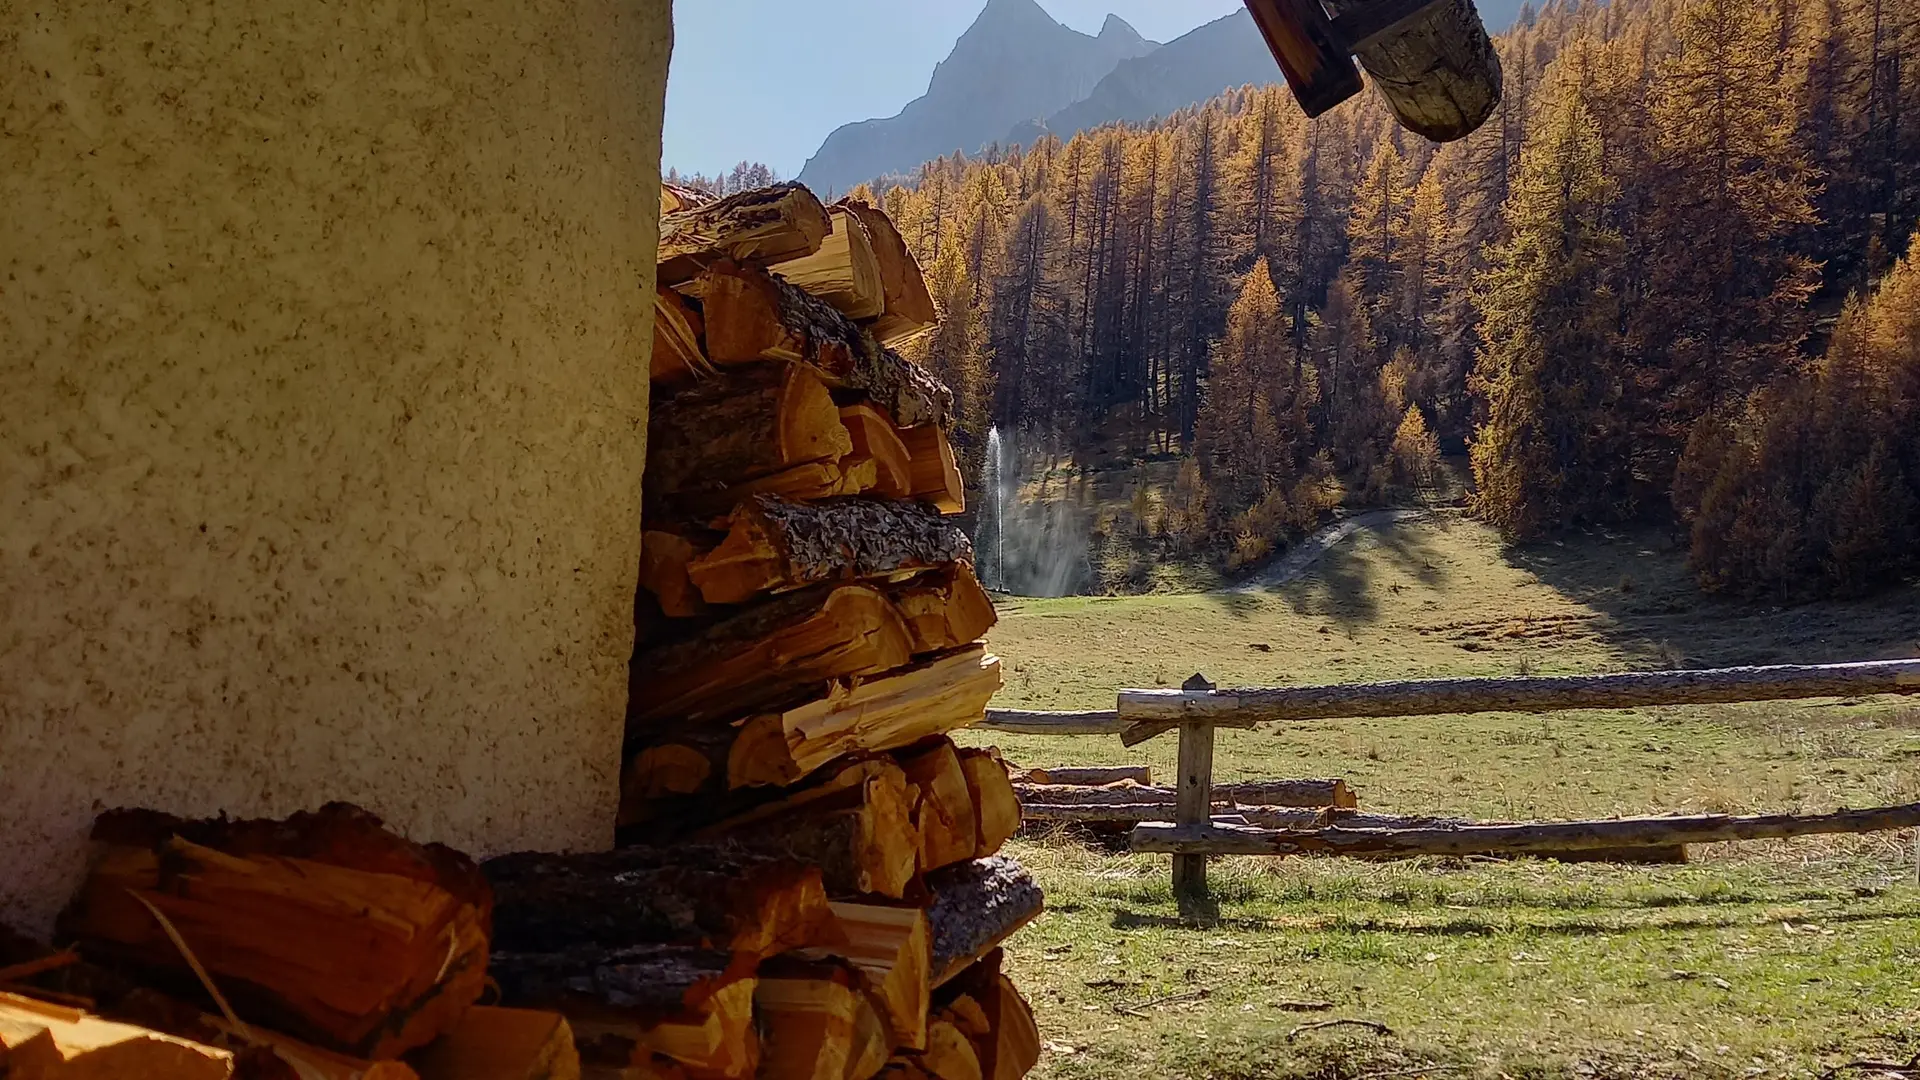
1437,71
762,226
977,905
747,423
705,895
774,545
656,979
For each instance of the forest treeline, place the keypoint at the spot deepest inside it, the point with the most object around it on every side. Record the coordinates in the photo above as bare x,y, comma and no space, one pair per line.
1623,293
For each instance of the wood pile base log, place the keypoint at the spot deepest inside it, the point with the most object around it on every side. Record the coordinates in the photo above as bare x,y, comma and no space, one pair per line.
858,828
773,545
324,925
1534,838
984,1005
493,1043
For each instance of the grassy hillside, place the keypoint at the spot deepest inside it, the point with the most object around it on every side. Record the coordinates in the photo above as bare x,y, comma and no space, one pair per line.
1777,959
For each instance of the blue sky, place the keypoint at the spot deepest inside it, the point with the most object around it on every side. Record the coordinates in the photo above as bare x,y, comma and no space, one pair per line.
766,80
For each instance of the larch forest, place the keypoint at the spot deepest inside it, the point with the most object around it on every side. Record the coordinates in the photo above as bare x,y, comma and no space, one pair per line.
1665,279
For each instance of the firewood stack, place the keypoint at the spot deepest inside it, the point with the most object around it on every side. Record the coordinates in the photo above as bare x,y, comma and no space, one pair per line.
808,885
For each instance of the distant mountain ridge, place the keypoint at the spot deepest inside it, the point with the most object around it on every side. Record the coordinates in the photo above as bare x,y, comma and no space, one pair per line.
1014,63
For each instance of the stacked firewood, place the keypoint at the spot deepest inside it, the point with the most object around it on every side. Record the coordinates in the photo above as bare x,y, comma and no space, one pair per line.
808,885
321,946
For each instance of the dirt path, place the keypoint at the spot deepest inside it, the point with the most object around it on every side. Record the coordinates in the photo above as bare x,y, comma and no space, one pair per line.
1302,556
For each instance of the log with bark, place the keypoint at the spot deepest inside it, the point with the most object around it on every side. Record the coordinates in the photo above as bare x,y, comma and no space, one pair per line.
325,925
891,945
1527,838
1258,793
1434,65
707,896
996,807
751,315
759,656
625,1005
678,357
944,813
761,227
1054,722
874,439
909,306
818,1022
857,827
773,545
1151,712
811,482
976,906
845,272
935,471
752,422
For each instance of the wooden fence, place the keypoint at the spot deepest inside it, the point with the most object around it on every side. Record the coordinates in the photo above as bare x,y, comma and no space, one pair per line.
1197,708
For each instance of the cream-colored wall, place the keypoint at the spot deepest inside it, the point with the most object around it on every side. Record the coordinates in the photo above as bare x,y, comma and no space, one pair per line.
323,393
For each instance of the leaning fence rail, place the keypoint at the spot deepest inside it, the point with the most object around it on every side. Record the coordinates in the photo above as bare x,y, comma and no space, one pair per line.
1198,708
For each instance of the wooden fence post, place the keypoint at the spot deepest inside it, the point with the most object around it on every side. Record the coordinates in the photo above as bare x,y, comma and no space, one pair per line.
1193,803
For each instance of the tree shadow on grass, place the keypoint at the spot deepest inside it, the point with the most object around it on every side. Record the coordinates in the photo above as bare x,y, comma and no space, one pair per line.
1637,577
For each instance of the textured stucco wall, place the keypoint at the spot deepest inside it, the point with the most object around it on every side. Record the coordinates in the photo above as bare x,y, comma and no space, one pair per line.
323,394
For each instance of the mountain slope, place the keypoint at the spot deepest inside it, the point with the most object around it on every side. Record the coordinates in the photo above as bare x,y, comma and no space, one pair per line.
1189,69
1014,63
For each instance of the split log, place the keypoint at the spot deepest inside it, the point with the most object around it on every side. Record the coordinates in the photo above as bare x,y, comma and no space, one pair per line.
493,1043
762,227
676,197
1150,712
1256,793
1014,1046
909,306
845,271
664,557
702,896
883,713
976,906
874,439
944,610
1537,838
39,1040
1434,64
936,472
1049,722
324,925
996,807
625,1005
751,423
843,718
813,482
949,1055
773,545
857,828
677,357
1088,774
891,945
943,804
817,1022
759,656
751,315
